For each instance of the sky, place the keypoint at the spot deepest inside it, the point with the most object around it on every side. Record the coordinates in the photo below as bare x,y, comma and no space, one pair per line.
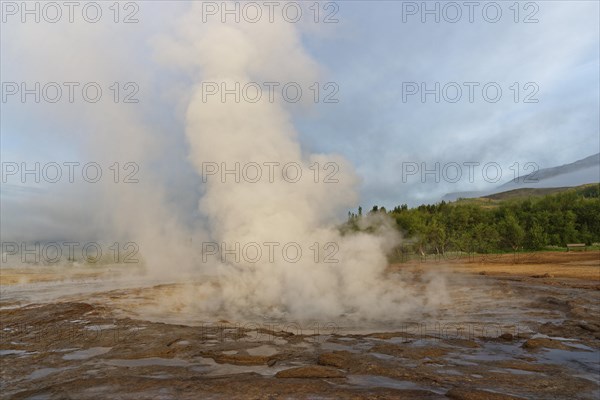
371,62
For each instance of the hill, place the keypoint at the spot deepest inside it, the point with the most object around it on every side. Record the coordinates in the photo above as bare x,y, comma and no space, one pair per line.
580,172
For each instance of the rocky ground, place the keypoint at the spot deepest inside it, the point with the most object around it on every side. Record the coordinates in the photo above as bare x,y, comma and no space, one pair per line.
528,331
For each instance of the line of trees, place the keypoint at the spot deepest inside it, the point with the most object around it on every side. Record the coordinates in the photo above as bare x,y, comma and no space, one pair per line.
532,223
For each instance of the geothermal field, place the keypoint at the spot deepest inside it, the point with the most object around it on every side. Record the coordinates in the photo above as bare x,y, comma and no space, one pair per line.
183,187
504,331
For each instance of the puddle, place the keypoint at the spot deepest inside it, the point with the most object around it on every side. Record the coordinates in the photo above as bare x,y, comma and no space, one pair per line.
12,352
449,372
385,382
542,336
458,361
43,396
43,372
100,327
158,376
382,356
583,347
209,367
486,357
65,350
264,350
491,352
584,361
87,353
510,371
519,371
303,345
150,361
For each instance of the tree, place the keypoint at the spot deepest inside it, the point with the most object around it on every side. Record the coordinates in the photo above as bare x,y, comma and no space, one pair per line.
511,232
436,236
534,222
537,236
485,238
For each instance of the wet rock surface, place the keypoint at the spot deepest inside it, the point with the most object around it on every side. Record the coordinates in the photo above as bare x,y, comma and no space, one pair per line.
311,371
538,342
475,394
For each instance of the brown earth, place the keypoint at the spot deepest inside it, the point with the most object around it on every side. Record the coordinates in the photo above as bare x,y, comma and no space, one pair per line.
545,343
563,266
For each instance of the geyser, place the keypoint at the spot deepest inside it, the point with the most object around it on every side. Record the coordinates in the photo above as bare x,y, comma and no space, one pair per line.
274,210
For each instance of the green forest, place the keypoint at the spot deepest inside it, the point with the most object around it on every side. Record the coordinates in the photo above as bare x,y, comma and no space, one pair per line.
524,220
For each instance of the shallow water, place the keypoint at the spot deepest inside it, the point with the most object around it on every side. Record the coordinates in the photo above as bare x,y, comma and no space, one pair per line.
264,350
155,332
87,353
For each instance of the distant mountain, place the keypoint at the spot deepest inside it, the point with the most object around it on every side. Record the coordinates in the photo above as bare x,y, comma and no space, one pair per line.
576,173
528,192
453,196
493,200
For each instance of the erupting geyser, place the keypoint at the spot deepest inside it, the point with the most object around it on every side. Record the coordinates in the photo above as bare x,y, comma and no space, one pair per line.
300,265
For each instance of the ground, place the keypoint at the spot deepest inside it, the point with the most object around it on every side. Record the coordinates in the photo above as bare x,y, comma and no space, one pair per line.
523,326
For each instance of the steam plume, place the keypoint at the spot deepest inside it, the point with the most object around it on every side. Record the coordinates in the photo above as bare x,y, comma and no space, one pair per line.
279,211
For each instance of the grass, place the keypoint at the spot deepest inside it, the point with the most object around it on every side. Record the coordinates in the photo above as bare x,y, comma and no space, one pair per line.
494,200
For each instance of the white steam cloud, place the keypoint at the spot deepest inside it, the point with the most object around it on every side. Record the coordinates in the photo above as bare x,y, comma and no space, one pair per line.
278,211
305,213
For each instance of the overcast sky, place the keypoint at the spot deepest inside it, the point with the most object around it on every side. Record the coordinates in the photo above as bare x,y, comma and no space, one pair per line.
377,64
